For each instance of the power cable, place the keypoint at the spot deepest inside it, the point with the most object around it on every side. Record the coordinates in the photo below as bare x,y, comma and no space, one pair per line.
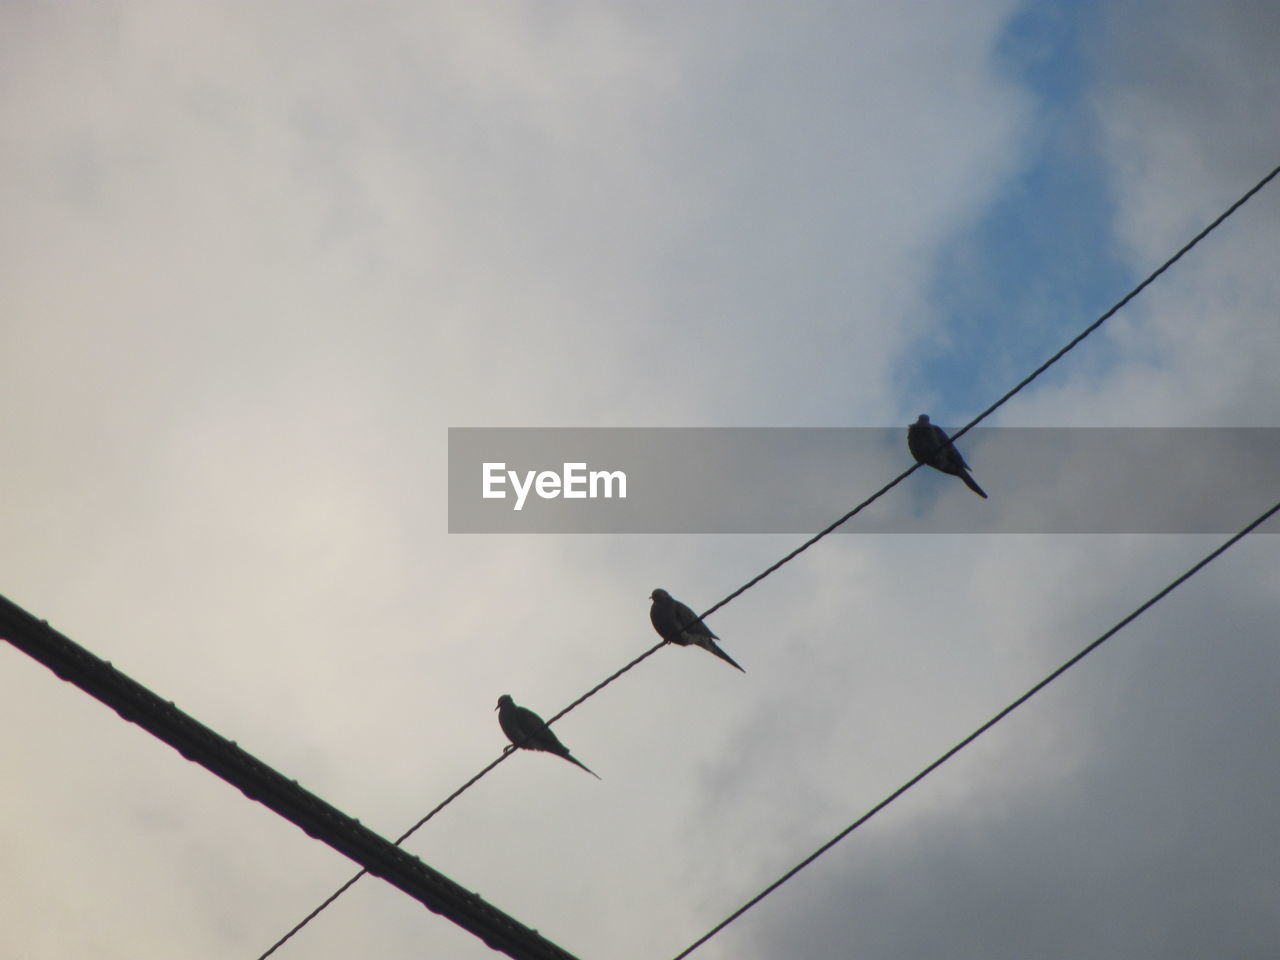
1186,248
1248,195
1205,561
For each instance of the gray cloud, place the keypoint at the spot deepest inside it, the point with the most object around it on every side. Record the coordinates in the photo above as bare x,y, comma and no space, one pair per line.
1147,836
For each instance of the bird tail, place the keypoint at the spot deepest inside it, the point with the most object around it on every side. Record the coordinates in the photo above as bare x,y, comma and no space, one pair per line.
972,484
579,763
714,647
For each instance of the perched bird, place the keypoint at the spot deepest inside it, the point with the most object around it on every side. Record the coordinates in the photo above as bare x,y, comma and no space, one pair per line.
931,446
676,623
526,729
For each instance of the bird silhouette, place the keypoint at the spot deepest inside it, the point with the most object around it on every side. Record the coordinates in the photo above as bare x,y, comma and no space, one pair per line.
527,730
931,446
676,623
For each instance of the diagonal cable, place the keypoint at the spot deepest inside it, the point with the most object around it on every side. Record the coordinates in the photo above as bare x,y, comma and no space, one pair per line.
401,839
1248,195
1160,595
1075,341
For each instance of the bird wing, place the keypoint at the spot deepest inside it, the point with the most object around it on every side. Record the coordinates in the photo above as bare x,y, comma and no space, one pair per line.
530,727
953,453
689,623
539,735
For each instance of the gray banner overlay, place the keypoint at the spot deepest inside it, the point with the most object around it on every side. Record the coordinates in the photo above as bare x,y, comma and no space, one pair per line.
799,480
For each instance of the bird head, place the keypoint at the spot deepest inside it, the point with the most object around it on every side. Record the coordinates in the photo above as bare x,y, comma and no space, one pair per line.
659,594
924,418
506,700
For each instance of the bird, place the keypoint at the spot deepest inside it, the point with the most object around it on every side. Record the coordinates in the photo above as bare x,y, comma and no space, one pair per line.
526,729
676,623
931,446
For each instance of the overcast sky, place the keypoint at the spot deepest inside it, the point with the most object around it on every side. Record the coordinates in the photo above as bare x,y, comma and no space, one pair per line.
255,259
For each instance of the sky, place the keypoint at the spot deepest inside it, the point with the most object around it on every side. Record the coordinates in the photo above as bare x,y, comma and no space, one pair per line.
258,258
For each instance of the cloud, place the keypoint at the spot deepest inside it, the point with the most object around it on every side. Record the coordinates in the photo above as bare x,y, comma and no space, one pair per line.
1185,102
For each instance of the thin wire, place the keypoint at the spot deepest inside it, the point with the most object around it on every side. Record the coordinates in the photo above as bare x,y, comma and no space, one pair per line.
608,680
403,837
831,528
1127,297
1008,396
1205,561
449,799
